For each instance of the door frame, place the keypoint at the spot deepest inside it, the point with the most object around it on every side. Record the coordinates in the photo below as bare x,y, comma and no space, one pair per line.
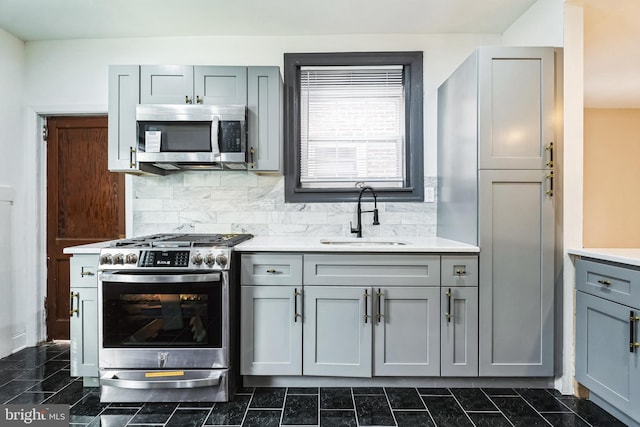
34,247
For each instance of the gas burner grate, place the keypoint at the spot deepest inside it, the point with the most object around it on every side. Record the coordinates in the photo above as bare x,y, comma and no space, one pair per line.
171,240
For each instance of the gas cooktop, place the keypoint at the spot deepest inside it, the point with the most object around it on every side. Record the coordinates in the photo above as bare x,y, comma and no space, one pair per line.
173,240
171,251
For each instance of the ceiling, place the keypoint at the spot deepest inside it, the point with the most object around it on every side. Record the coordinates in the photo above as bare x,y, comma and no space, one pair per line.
31,20
611,50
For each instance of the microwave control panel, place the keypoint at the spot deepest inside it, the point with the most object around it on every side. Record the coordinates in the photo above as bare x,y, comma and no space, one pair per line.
231,140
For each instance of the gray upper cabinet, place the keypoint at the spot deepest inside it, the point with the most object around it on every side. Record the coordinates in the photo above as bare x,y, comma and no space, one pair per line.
186,84
515,107
264,106
516,274
124,95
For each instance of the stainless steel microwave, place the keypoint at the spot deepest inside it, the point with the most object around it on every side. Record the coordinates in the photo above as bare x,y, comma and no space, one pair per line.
174,137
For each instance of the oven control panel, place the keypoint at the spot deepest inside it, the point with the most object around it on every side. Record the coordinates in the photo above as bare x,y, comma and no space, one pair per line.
156,258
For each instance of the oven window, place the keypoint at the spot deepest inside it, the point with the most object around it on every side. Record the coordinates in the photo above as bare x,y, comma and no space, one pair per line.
162,315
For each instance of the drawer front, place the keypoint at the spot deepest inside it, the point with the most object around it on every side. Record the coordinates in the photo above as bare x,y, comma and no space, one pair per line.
372,270
612,282
459,270
271,269
83,270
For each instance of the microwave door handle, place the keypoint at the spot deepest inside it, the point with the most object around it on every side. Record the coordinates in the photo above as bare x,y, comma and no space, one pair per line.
215,129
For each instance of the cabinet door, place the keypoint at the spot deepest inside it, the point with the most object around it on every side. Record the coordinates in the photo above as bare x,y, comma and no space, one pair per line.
604,361
264,104
220,85
124,95
83,330
407,331
337,331
515,111
271,330
459,333
516,274
166,84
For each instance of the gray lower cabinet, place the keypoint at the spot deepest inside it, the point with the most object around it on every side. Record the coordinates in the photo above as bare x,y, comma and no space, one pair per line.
337,331
516,287
83,312
459,332
371,314
271,325
406,331
607,322
271,314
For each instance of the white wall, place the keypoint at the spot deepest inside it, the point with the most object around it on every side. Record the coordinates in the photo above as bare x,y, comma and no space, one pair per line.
12,303
540,25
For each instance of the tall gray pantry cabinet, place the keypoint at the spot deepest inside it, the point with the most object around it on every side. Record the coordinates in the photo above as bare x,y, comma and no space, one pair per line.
495,190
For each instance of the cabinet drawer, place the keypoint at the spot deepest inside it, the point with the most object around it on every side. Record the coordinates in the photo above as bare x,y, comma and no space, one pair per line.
610,281
459,270
372,270
83,270
271,269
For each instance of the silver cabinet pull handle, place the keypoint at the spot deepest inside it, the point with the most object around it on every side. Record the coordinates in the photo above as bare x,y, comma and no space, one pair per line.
379,314
604,282
366,306
296,294
448,314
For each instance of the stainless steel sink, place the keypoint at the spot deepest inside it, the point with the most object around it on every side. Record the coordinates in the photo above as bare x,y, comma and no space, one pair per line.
354,241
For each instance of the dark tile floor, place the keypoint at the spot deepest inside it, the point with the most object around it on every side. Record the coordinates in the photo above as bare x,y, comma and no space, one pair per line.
41,375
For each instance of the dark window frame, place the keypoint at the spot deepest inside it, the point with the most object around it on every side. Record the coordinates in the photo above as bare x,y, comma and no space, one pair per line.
414,89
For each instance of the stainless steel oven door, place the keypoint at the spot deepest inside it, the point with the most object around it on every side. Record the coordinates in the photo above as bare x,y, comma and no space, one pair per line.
163,320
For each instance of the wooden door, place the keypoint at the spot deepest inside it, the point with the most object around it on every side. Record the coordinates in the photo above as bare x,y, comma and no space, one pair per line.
85,204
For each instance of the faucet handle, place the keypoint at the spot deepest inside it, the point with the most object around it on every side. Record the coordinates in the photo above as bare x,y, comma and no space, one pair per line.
375,217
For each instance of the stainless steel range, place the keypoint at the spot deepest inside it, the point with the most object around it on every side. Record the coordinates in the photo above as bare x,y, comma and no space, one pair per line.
168,318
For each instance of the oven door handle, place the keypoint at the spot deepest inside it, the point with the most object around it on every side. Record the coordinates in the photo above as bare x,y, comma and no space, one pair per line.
162,384
161,278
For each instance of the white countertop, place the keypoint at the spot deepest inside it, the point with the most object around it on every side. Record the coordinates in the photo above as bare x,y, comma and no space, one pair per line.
89,248
351,244
629,256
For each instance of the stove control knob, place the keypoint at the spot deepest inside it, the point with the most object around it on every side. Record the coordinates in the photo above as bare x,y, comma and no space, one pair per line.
209,259
106,259
118,259
196,259
131,259
222,259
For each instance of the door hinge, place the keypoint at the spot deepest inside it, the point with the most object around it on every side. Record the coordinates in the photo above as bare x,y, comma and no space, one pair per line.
45,130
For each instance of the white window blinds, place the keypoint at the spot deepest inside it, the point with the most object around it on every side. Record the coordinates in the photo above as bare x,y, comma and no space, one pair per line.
352,126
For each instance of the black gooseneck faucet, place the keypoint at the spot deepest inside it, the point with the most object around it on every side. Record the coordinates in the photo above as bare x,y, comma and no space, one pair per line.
358,229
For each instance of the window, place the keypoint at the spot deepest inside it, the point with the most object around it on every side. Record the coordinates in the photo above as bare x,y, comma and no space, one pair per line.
353,119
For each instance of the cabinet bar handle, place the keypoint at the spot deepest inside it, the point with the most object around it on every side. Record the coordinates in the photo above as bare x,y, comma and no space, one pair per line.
87,273
251,153
187,100
72,310
366,306
272,271
198,99
549,148
379,313
632,334
296,294
604,282
132,164
448,314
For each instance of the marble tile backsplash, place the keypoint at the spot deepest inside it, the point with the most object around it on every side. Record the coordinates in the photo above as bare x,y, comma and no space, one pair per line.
243,202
